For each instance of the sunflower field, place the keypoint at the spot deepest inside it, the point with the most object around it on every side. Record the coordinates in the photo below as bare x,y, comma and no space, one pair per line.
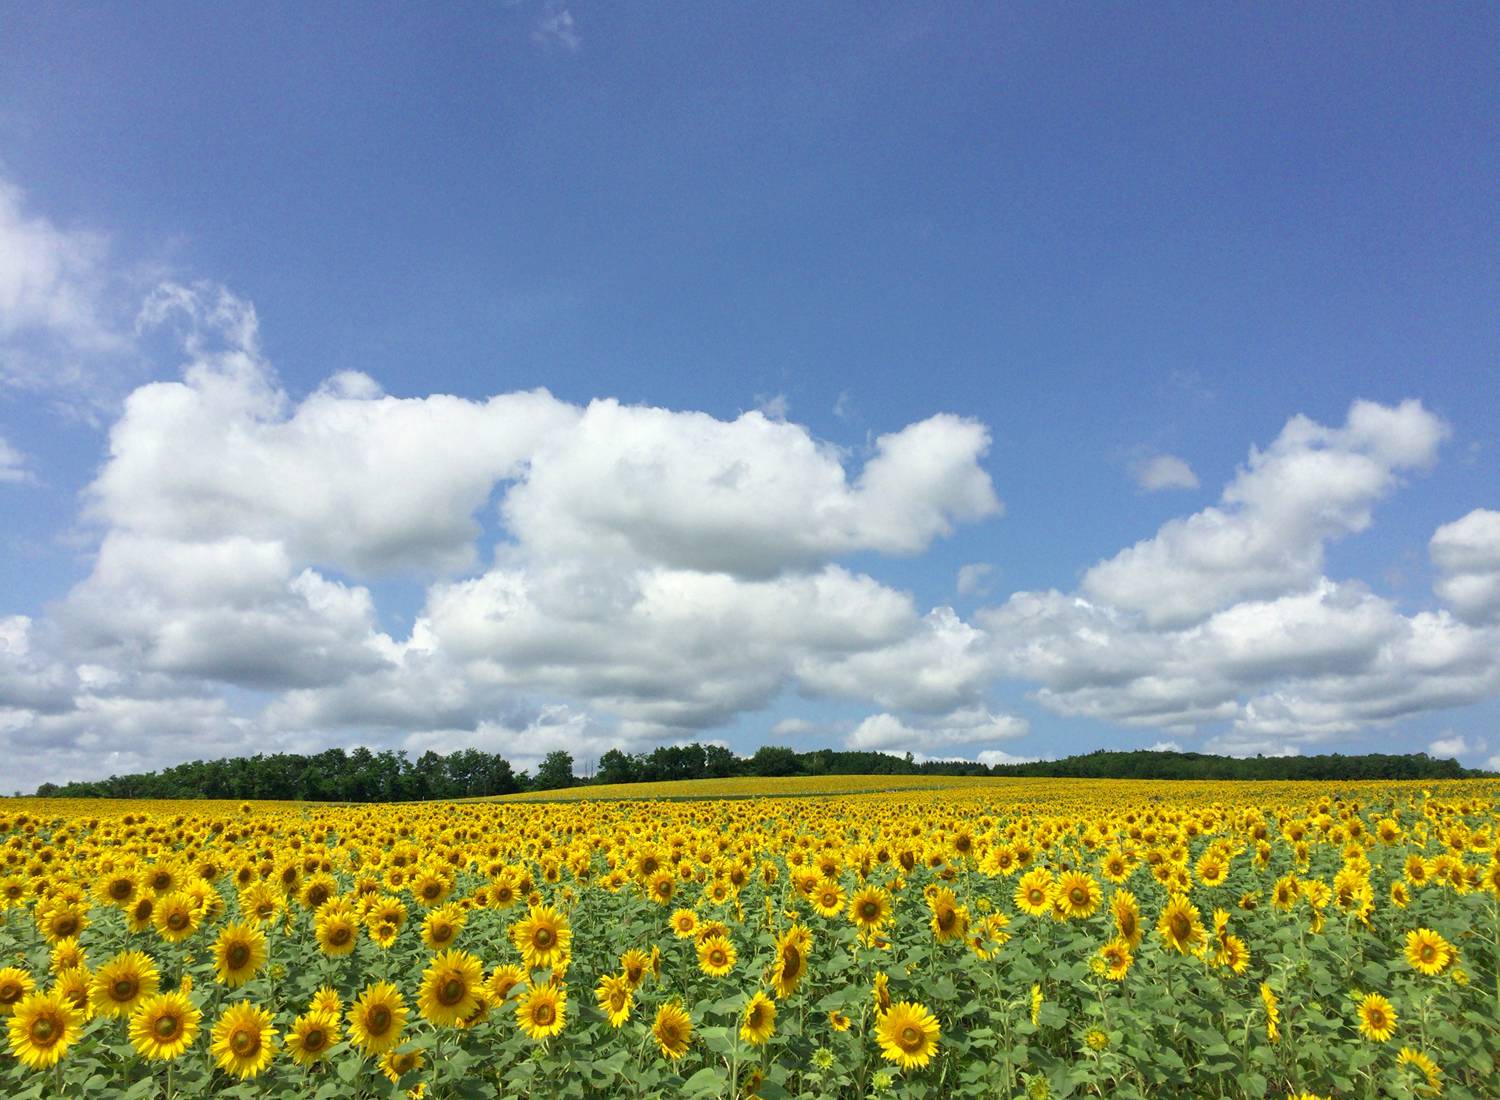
995,938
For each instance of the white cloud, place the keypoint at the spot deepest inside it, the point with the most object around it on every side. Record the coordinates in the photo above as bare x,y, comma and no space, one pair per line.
13,467
1466,553
990,757
1266,537
51,279
1159,472
973,578
556,27
794,727
967,726
1165,746
1454,745
749,497
774,407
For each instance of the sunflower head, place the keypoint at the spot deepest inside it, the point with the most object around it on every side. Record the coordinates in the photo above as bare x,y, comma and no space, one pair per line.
312,1036
908,1034
377,1017
242,1041
759,1021
42,1028
164,1025
542,1012
673,1030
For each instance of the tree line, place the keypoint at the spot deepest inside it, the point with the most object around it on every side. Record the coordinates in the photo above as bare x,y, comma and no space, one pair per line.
360,775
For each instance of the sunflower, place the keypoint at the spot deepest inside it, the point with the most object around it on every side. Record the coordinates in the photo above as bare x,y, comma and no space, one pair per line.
1285,893
312,1036
881,991
1427,951
1232,953
164,1025
1273,1013
543,938
542,1012
42,1028
123,982
396,1066
118,889
261,903
1115,867
61,921
450,987
634,964
15,984
792,948
1426,1066
1116,957
908,1034
377,1017
242,1041
239,952
716,956
337,933
870,908
73,984
326,999
827,899
615,998
442,926
1179,925
661,887
673,1030
1127,916
175,917
759,1021
950,921
67,955
1077,895
1034,892
684,923
1377,1018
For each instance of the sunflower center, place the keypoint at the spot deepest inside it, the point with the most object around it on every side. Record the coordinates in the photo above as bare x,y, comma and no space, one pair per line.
43,1030
911,1038
1035,896
124,989
378,1022
237,955
1428,953
315,1039
791,961
119,889
1078,895
869,910
946,918
177,921
1180,926
1377,1019
543,937
339,936
452,991
165,1027
442,933
244,1042
717,957
543,1014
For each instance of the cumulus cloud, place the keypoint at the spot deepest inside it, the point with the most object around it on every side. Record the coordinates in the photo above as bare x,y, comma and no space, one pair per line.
1266,536
609,575
1454,745
1466,553
886,732
1157,472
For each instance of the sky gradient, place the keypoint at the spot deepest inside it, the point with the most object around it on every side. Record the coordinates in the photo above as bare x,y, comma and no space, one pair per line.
982,383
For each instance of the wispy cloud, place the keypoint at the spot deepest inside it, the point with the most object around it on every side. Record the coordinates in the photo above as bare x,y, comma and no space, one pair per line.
556,28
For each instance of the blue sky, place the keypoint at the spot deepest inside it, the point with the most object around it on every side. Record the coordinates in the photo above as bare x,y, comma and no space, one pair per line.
1221,283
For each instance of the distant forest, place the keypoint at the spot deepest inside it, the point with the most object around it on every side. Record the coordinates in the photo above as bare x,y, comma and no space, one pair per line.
364,776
